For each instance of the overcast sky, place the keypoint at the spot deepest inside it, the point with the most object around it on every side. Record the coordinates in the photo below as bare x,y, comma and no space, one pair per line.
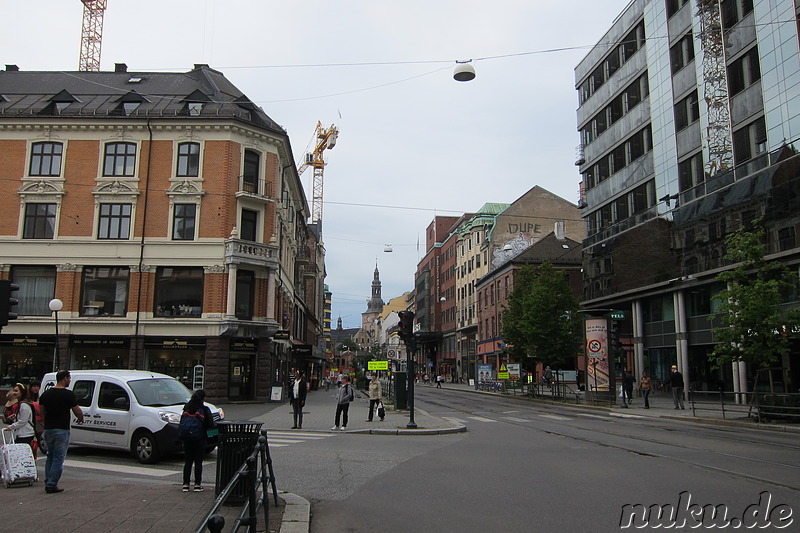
413,142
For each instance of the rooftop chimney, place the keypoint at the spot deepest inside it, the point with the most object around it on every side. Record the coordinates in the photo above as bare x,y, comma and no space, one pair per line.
200,65
559,230
120,67
12,68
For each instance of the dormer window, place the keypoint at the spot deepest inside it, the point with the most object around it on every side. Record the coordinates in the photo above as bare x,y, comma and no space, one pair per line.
128,103
194,108
195,102
58,103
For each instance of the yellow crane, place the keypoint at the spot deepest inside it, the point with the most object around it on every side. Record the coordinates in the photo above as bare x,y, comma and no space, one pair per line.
91,34
325,139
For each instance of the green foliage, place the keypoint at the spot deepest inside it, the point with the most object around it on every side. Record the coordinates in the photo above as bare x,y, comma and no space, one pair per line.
756,326
540,320
348,345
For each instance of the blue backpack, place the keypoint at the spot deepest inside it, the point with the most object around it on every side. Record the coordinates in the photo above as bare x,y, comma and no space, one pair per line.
192,425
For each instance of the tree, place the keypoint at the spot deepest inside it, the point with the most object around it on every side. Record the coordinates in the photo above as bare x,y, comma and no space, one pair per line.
348,345
756,327
540,319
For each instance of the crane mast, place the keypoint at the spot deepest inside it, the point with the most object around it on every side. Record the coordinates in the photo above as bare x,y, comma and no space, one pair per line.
92,34
325,139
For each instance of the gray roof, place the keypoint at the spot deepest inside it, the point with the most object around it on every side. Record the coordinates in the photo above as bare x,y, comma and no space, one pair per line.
87,95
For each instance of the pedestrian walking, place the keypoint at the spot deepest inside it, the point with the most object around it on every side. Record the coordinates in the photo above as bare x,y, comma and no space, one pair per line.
646,385
195,422
23,424
627,386
676,383
297,397
375,394
55,405
439,380
548,376
344,396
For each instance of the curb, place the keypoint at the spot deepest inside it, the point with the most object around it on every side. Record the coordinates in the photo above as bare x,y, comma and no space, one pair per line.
296,513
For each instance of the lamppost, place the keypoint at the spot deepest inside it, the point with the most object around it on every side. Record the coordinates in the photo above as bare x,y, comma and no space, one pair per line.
55,306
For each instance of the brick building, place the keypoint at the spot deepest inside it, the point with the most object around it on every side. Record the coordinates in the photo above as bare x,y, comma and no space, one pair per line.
165,212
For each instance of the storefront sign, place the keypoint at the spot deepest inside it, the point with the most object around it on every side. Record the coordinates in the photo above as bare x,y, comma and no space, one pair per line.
281,334
243,346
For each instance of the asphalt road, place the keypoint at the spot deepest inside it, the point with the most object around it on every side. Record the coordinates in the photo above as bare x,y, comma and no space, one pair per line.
528,467
521,466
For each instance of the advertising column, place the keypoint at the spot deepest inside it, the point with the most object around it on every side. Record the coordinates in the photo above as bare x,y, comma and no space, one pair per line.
598,379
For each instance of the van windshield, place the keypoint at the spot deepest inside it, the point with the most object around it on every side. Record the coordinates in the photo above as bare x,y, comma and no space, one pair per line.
159,392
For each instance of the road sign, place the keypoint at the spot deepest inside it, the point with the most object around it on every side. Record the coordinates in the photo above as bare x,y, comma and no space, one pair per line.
503,373
595,348
391,354
377,365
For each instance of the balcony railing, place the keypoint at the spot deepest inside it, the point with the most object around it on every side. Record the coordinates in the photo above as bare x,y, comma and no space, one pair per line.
255,187
251,253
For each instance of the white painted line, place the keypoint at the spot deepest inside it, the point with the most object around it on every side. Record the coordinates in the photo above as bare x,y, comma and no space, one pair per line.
284,441
622,415
481,419
515,419
509,412
555,417
121,469
296,434
455,420
601,417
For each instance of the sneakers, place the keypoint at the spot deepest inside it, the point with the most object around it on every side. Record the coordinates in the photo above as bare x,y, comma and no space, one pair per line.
185,488
335,428
342,428
198,488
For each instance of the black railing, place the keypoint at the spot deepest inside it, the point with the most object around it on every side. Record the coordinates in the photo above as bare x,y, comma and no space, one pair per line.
259,462
763,406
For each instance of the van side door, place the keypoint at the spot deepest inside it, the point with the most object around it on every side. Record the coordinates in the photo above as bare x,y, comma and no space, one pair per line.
111,419
84,390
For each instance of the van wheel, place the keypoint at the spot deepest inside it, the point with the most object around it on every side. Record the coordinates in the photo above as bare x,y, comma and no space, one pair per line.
144,447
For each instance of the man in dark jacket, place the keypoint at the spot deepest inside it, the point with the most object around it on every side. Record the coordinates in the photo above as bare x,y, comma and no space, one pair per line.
676,382
194,448
297,396
627,387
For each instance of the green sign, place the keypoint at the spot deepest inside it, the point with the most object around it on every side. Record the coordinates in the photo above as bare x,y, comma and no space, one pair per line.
377,365
617,315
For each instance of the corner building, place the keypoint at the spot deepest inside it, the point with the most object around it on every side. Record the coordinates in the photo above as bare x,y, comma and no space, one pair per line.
164,210
688,117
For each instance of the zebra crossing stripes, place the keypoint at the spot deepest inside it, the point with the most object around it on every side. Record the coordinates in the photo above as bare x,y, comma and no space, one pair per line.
555,417
279,439
515,419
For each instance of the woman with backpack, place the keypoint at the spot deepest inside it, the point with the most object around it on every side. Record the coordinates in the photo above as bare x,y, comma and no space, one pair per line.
22,427
344,396
195,422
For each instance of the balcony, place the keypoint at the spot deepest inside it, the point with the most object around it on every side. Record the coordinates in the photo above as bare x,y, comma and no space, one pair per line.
255,188
240,252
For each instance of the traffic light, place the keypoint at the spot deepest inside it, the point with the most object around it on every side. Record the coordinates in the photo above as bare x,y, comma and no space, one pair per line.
406,325
615,343
7,301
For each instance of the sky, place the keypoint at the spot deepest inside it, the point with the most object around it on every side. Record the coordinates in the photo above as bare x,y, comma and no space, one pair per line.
413,143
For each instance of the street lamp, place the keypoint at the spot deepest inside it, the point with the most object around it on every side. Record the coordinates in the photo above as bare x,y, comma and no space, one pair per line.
55,306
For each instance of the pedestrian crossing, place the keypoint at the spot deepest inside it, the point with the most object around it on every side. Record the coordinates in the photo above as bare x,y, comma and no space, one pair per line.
279,439
464,421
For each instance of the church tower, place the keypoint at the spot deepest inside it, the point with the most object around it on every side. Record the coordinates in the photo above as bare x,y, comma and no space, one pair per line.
374,304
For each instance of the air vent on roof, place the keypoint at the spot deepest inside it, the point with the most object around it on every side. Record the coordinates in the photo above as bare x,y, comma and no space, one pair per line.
120,67
12,68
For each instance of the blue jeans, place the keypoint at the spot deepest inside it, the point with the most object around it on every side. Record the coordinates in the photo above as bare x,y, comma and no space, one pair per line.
57,441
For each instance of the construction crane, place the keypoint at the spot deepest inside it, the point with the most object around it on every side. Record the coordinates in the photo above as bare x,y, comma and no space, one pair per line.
325,138
715,87
92,34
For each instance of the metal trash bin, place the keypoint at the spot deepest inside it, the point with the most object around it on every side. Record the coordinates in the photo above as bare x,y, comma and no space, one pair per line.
236,443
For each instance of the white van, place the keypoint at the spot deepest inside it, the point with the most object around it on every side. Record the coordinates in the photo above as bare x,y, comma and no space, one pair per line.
129,410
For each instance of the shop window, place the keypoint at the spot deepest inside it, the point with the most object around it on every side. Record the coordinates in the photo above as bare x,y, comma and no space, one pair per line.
114,221
249,225
183,222
40,221
188,160
105,291
46,159
112,396
36,288
120,159
84,391
179,292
